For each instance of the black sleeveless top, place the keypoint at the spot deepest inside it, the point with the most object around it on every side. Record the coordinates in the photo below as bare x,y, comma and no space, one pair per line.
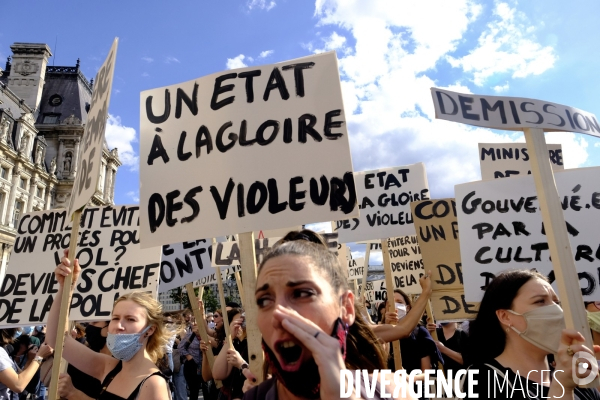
104,395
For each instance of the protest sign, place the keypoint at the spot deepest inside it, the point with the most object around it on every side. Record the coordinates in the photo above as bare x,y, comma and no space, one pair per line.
384,197
281,232
375,292
185,262
437,233
501,227
503,160
109,253
344,254
256,148
228,253
511,113
373,245
406,263
262,234
89,158
356,268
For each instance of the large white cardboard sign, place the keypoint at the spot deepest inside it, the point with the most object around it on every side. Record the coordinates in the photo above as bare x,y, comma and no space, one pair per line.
503,160
109,253
384,197
243,150
406,263
511,113
228,253
90,154
501,228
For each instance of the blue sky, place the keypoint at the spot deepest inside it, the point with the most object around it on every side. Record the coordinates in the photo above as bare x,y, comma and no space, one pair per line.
390,53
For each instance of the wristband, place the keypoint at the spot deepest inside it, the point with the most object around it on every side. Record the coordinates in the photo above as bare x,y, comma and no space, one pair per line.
38,359
244,366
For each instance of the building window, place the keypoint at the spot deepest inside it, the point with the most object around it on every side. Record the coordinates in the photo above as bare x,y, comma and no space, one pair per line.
51,118
3,172
23,183
38,191
19,205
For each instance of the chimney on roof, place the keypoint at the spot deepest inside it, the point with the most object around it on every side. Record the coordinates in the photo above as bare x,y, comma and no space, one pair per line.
28,71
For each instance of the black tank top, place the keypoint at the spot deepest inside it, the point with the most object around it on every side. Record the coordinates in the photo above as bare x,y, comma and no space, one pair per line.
104,395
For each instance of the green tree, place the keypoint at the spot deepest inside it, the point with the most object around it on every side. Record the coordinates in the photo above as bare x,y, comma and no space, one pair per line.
179,297
211,303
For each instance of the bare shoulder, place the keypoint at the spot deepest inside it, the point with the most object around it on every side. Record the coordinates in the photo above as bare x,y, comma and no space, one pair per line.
155,387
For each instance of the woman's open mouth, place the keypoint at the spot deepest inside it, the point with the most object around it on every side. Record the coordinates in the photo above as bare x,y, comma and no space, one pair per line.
290,354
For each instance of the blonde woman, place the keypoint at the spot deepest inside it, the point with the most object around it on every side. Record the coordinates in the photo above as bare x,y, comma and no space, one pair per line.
137,336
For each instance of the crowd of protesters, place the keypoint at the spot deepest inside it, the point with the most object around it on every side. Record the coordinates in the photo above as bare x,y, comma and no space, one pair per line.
312,327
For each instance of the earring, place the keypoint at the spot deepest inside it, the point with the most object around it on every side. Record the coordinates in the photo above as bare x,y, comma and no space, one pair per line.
508,329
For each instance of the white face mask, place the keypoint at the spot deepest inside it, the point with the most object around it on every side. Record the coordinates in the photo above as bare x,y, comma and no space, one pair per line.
211,325
401,310
544,327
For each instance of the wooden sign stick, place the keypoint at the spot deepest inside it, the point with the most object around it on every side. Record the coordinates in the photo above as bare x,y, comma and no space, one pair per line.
201,328
389,283
363,294
253,335
61,366
199,317
238,280
434,335
563,262
224,308
355,287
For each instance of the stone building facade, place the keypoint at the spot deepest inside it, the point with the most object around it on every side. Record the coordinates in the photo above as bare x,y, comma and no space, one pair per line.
43,111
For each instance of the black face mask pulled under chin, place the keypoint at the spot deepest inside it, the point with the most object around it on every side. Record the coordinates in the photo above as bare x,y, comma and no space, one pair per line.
93,335
306,381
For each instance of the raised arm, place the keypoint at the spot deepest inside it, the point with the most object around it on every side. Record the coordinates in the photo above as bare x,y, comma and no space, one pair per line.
77,354
18,382
206,371
222,368
210,332
389,333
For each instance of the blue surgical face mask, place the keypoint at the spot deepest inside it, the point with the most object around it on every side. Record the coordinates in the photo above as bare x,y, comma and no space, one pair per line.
125,345
27,330
211,325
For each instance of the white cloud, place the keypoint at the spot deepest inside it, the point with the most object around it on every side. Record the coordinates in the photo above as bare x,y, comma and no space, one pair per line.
170,60
333,42
500,89
388,63
148,59
236,62
134,195
574,147
506,47
122,137
266,53
323,227
261,4
145,74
